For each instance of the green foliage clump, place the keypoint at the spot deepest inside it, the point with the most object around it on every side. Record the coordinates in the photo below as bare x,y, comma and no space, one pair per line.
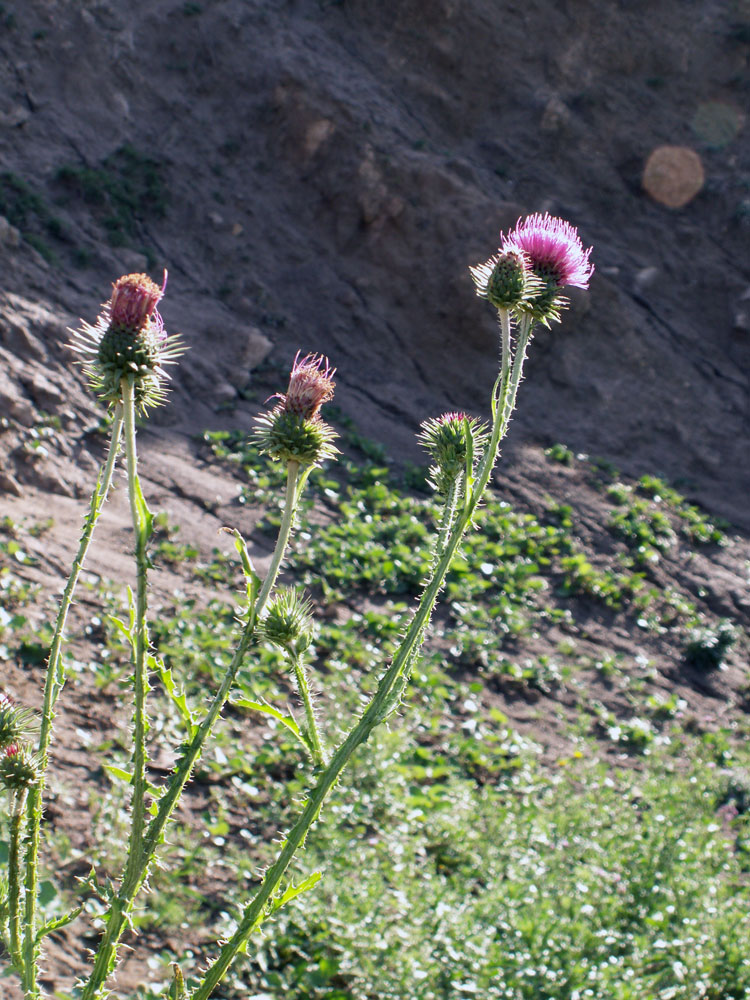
707,647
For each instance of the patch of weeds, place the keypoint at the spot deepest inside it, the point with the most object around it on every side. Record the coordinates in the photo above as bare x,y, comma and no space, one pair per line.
28,211
613,589
645,530
696,525
560,453
124,193
707,647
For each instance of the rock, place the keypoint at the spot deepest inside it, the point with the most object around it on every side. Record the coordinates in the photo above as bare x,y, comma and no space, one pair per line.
9,485
14,403
9,235
253,350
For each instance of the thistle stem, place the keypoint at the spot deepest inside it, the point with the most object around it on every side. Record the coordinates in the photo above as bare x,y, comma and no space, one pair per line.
17,803
379,707
104,961
142,530
315,744
53,685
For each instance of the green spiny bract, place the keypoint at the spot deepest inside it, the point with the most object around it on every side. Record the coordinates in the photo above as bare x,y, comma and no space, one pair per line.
506,280
121,353
15,723
288,621
19,768
290,437
445,440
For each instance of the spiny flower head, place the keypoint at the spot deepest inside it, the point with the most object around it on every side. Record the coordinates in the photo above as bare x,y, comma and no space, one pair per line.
19,768
15,723
506,279
134,300
293,430
557,258
128,340
445,439
288,622
310,385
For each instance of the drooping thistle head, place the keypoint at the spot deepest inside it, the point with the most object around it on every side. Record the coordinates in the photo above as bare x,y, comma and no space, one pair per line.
288,621
446,439
128,340
19,768
293,431
16,723
557,258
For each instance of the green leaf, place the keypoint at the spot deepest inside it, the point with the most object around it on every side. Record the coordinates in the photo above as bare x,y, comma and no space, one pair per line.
262,706
251,577
57,922
292,890
177,696
144,514
118,773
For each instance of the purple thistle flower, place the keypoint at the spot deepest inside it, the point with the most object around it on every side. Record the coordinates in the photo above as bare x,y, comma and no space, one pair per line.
554,248
134,300
310,385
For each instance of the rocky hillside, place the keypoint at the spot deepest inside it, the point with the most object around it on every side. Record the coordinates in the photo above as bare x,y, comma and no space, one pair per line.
319,176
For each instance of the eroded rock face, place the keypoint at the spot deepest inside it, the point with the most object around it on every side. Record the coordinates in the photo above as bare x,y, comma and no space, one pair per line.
324,176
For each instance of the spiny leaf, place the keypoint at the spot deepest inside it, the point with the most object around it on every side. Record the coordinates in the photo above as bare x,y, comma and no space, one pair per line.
292,890
55,923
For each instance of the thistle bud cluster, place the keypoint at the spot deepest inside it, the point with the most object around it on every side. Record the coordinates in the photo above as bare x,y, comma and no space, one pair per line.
293,431
447,440
128,341
536,260
19,768
288,621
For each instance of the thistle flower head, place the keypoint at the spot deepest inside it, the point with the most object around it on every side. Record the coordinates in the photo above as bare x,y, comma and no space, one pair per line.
288,621
128,340
506,279
293,430
310,385
557,258
15,723
19,768
134,300
446,438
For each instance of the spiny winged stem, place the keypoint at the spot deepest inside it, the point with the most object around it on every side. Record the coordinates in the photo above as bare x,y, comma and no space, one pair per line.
53,685
17,803
104,960
142,527
380,706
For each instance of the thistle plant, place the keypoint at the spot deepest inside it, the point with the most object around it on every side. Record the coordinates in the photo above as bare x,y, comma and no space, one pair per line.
125,354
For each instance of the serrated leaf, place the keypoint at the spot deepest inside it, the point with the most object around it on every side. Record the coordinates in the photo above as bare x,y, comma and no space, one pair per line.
292,890
176,696
57,922
145,515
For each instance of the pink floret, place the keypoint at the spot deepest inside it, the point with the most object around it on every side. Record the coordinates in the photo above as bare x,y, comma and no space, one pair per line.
554,248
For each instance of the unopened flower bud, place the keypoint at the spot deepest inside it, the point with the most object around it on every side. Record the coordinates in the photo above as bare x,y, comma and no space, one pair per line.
506,279
19,768
15,723
288,621
444,438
